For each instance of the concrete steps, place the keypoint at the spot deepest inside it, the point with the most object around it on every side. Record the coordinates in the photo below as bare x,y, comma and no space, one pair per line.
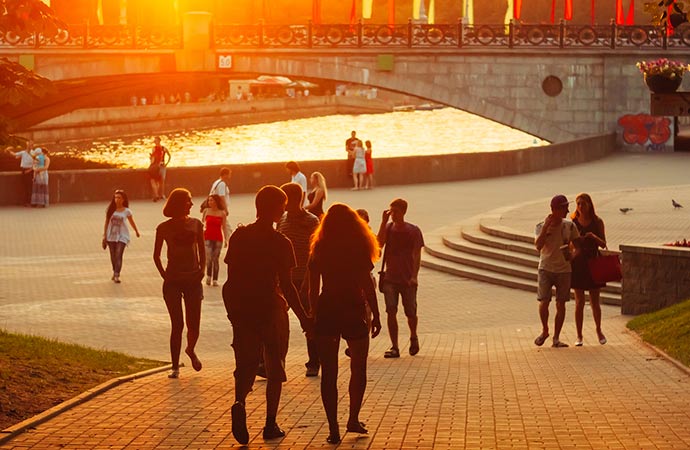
484,251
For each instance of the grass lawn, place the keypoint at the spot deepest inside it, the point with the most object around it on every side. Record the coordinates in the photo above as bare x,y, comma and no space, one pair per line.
37,373
667,329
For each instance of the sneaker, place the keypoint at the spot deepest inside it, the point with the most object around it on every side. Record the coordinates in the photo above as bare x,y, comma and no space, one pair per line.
273,432
239,423
208,281
392,353
312,371
414,345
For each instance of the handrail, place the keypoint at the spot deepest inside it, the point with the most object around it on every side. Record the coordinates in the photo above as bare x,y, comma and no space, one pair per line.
408,35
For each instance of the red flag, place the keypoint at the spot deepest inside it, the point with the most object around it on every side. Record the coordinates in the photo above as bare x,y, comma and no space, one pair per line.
517,9
553,11
630,20
593,16
669,25
391,12
620,20
568,10
316,11
353,13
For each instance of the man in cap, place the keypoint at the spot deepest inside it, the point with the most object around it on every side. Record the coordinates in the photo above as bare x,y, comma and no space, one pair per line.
553,240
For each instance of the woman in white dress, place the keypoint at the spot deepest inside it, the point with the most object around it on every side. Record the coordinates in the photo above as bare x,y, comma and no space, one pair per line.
359,168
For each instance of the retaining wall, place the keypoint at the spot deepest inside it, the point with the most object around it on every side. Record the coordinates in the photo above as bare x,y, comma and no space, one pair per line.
654,277
98,185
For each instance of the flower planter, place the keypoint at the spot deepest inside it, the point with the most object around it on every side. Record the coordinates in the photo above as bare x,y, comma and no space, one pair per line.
660,84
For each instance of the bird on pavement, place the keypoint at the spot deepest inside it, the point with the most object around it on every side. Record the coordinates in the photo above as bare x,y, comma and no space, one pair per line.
625,210
675,204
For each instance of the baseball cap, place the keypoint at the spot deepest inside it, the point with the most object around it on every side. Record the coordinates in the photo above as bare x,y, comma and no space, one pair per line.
559,200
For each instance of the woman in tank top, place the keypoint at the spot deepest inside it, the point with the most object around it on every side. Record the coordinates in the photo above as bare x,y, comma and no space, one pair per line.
115,232
317,195
214,218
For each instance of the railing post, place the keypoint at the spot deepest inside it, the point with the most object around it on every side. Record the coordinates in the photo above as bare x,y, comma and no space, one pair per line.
664,38
614,33
37,37
409,33
134,36
261,33
561,33
511,29
359,33
461,32
310,34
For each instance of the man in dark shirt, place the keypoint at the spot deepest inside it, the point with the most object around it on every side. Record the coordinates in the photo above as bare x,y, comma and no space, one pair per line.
350,145
402,258
260,261
298,225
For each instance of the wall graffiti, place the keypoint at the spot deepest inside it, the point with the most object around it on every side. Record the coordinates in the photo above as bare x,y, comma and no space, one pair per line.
649,133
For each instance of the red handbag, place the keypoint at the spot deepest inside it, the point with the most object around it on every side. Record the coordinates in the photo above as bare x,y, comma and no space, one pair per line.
605,268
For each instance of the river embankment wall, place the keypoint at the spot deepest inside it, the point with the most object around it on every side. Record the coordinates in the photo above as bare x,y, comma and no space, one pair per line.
99,123
98,185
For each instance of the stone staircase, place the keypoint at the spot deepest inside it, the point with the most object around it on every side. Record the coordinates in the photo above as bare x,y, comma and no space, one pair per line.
481,249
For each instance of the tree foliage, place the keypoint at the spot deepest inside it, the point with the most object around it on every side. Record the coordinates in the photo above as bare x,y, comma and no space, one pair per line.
19,85
663,10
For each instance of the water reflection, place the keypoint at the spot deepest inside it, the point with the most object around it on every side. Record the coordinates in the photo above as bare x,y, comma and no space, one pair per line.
406,133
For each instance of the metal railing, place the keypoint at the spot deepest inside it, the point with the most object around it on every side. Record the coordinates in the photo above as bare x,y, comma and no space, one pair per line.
362,35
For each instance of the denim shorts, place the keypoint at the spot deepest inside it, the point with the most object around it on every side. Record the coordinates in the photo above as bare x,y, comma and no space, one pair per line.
547,280
408,294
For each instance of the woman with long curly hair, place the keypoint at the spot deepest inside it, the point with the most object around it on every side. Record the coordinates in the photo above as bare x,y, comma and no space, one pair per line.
184,238
343,252
317,195
593,236
115,232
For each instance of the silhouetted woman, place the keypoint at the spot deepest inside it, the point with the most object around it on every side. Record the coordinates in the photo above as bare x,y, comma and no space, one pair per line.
593,236
317,195
184,238
115,232
343,252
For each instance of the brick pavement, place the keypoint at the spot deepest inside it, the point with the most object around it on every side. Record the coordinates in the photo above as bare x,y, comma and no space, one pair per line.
479,382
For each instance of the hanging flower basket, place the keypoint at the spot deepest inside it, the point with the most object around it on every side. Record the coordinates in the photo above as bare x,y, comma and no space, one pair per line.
662,76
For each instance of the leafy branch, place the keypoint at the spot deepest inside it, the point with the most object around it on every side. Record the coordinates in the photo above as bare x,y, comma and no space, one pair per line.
659,10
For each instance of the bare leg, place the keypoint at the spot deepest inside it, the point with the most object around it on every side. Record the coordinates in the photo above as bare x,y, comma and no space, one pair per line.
412,322
544,316
193,316
328,355
393,329
355,181
273,391
579,311
177,326
558,322
596,311
359,349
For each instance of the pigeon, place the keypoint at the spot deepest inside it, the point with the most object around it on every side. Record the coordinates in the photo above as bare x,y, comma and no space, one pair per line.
625,210
676,204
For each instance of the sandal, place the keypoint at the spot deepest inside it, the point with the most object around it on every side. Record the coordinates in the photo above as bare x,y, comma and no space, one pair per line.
559,344
414,345
333,438
392,353
357,427
539,341
175,373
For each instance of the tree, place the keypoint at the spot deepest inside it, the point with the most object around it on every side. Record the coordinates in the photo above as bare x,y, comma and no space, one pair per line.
659,10
19,85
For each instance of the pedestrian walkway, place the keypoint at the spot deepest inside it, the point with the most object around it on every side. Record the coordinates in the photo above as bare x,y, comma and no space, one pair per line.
478,382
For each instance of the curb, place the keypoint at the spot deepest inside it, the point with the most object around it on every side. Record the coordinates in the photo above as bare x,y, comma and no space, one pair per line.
679,365
9,433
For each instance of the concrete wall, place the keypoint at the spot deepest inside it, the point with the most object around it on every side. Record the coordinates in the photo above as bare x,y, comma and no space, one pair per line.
94,123
654,277
599,86
98,185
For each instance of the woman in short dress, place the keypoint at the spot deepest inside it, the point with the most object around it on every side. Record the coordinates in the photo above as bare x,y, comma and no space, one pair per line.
39,190
214,217
115,232
359,167
592,237
369,177
184,238
343,252
317,195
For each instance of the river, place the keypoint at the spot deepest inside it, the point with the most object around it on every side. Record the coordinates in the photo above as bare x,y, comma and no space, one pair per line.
403,133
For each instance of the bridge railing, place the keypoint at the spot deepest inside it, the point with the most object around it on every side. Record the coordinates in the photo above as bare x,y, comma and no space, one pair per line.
362,35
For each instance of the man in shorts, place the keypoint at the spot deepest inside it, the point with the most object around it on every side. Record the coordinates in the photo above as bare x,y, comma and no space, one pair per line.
256,297
402,257
553,240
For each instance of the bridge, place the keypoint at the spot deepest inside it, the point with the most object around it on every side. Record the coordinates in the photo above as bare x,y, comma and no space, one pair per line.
558,82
